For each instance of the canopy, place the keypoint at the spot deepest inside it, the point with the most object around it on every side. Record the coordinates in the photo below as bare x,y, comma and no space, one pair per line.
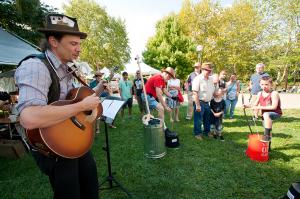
13,48
146,69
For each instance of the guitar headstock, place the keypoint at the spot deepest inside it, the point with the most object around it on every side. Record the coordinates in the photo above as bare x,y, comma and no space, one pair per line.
115,68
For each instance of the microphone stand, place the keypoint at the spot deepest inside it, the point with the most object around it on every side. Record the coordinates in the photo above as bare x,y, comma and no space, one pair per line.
110,178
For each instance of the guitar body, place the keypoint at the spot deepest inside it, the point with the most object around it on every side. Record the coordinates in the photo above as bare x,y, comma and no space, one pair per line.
70,138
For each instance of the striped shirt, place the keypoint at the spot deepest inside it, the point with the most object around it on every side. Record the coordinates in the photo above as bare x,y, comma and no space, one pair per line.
33,80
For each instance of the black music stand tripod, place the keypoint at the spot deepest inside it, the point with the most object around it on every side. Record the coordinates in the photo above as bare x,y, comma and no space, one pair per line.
110,178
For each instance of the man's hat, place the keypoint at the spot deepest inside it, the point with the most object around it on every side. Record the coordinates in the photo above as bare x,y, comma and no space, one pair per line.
170,71
197,64
58,23
98,73
207,66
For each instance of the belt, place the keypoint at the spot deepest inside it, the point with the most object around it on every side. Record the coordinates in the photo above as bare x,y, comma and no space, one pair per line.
203,101
152,96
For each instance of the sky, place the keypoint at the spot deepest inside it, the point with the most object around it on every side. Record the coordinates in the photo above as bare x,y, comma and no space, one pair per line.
140,16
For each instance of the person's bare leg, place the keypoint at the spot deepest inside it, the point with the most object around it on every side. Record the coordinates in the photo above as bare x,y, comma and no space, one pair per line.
160,110
177,114
268,126
171,116
130,111
122,113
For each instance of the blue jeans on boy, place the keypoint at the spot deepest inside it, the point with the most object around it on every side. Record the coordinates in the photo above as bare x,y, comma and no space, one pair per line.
202,116
231,104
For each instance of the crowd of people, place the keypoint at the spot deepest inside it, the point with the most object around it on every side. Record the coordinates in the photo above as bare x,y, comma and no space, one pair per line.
211,97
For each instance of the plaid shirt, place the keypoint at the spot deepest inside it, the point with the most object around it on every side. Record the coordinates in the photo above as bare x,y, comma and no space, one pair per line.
33,80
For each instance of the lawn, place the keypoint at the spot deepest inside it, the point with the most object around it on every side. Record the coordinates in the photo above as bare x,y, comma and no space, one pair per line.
198,169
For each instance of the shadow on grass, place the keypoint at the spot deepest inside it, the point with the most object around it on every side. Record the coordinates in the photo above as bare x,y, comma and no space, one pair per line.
288,147
289,119
276,154
282,135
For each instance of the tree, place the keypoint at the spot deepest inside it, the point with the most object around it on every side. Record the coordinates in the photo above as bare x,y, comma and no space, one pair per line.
229,35
24,17
170,47
107,41
281,37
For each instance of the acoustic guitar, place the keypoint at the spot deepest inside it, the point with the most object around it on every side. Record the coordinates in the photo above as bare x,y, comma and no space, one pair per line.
72,137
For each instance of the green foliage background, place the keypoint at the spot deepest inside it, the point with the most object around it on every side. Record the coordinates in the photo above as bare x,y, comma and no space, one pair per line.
235,38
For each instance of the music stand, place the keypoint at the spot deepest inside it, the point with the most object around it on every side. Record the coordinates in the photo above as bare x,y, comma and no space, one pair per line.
110,178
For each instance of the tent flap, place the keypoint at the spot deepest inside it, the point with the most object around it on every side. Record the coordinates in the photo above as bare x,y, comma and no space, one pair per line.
13,49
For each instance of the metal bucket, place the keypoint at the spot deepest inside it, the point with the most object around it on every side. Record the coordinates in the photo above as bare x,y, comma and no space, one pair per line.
154,141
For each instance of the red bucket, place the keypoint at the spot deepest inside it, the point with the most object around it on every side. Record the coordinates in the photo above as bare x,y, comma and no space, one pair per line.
258,150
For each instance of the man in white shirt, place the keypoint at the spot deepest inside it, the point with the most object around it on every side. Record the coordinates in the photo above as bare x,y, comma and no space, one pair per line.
203,89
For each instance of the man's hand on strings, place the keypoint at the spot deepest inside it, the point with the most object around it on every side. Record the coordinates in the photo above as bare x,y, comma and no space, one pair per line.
90,102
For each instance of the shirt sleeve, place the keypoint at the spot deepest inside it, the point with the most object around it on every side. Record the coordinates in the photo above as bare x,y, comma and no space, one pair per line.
196,84
159,83
33,80
177,82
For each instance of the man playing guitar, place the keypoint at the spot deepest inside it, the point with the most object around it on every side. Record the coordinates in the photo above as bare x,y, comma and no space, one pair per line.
69,177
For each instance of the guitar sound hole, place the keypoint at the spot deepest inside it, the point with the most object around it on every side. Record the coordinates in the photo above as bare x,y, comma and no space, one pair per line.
88,112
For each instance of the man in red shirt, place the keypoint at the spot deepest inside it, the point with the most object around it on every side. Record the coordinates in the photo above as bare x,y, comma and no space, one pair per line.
155,87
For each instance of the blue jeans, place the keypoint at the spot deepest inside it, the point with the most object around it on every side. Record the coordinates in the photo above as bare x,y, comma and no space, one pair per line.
151,101
202,116
231,104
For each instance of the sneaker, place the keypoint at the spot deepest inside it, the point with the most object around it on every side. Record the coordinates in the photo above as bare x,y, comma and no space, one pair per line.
211,134
112,126
188,118
198,137
222,138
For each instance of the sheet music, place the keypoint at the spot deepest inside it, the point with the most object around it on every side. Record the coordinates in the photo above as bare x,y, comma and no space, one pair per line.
111,107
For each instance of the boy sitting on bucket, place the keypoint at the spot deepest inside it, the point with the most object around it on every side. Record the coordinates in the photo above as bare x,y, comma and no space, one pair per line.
217,107
268,102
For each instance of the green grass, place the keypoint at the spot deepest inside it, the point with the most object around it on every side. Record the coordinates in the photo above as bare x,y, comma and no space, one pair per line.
198,169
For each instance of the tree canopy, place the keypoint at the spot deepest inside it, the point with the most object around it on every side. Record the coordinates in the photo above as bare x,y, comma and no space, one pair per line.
170,47
235,38
24,17
107,43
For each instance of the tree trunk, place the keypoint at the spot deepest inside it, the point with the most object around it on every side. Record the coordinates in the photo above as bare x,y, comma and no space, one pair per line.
286,78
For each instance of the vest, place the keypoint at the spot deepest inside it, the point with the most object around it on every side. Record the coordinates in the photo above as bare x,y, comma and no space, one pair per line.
54,89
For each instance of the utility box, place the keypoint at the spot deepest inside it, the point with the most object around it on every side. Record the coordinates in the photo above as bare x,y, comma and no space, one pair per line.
12,148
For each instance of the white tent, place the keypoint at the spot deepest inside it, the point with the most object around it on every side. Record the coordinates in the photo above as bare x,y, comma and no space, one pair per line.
85,68
14,48
107,72
146,69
